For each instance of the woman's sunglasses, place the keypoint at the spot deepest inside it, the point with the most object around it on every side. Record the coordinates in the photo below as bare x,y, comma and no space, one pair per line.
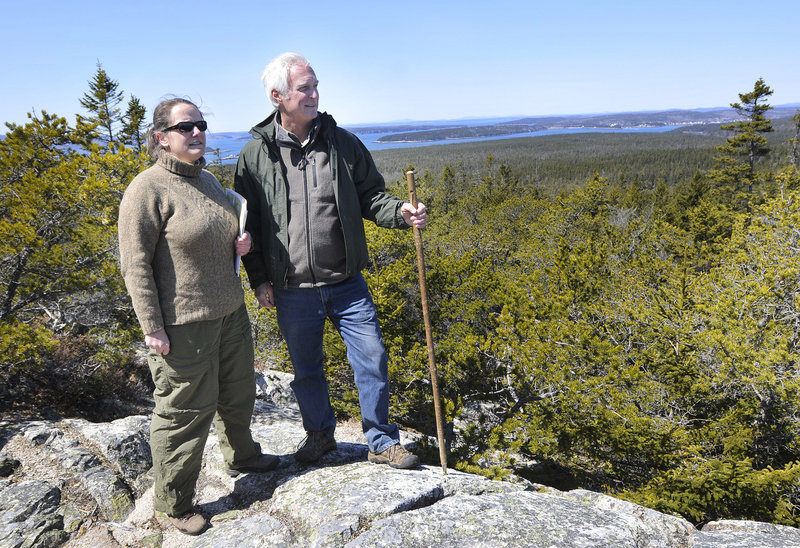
186,127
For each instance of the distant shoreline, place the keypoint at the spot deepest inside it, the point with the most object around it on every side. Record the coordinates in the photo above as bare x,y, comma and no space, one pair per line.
226,146
230,144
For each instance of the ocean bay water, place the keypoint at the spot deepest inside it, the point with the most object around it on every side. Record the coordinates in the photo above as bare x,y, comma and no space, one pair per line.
227,145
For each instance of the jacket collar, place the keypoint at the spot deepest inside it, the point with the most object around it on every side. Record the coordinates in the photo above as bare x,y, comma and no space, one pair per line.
266,129
289,140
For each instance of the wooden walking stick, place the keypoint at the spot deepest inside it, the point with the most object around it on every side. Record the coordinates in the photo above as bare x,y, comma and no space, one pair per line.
437,407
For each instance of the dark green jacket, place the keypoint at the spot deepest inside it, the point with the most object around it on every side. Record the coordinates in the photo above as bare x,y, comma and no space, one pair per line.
359,189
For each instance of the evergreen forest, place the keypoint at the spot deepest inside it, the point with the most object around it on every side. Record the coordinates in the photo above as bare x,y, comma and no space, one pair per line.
618,312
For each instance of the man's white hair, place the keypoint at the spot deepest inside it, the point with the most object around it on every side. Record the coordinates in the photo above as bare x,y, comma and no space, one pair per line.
276,73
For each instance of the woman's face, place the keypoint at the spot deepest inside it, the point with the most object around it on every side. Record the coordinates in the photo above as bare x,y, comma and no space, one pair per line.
189,146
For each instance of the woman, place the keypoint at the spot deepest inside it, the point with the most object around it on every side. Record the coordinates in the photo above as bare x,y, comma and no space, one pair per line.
178,239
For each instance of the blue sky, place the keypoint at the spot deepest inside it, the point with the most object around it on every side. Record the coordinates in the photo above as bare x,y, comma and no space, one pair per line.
383,61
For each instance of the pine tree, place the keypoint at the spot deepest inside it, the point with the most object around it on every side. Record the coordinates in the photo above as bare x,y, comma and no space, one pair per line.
795,141
447,183
734,171
733,179
133,122
62,302
749,139
102,101
58,205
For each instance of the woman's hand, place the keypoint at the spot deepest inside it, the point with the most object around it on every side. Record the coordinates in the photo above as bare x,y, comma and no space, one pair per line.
243,244
158,341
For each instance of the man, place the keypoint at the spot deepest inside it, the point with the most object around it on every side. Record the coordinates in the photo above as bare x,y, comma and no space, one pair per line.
308,184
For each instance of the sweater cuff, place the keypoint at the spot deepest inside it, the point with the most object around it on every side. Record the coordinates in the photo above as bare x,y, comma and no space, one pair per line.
151,325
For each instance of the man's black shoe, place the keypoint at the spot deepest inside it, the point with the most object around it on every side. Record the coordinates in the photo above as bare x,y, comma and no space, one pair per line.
263,462
314,446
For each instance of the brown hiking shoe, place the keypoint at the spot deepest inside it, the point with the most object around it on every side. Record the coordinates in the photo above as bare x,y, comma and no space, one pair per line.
190,523
263,462
396,456
314,446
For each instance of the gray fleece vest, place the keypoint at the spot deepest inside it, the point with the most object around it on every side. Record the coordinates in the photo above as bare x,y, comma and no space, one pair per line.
316,244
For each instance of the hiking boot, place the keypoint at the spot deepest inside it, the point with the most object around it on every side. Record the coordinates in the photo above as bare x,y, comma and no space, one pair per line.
190,523
314,446
262,462
395,456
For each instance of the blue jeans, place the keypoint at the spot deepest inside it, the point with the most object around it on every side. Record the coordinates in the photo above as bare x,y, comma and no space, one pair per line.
301,319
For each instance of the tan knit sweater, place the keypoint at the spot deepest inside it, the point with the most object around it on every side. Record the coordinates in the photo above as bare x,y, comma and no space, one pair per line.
177,236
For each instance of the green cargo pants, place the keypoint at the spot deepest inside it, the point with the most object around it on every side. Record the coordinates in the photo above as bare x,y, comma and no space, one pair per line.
207,375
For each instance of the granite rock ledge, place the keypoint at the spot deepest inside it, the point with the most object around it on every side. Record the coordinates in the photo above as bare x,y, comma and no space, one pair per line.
80,484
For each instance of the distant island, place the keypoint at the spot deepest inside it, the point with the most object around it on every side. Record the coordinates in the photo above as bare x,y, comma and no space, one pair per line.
225,146
408,133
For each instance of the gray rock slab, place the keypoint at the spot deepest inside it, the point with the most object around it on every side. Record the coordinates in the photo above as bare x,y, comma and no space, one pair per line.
42,433
29,515
76,458
254,532
8,465
498,520
124,443
468,484
746,534
654,527
329,504
275,386
113,497
20,501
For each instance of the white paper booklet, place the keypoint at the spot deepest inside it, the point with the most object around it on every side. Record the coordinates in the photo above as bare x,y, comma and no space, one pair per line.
239,203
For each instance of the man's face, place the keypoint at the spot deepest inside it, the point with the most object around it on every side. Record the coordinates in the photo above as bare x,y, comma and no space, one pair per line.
299,105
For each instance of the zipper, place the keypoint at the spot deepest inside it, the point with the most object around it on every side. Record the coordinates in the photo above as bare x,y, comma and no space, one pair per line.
309,246
314,169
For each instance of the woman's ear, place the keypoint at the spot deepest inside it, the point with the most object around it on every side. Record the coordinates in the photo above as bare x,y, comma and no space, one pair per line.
162,139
